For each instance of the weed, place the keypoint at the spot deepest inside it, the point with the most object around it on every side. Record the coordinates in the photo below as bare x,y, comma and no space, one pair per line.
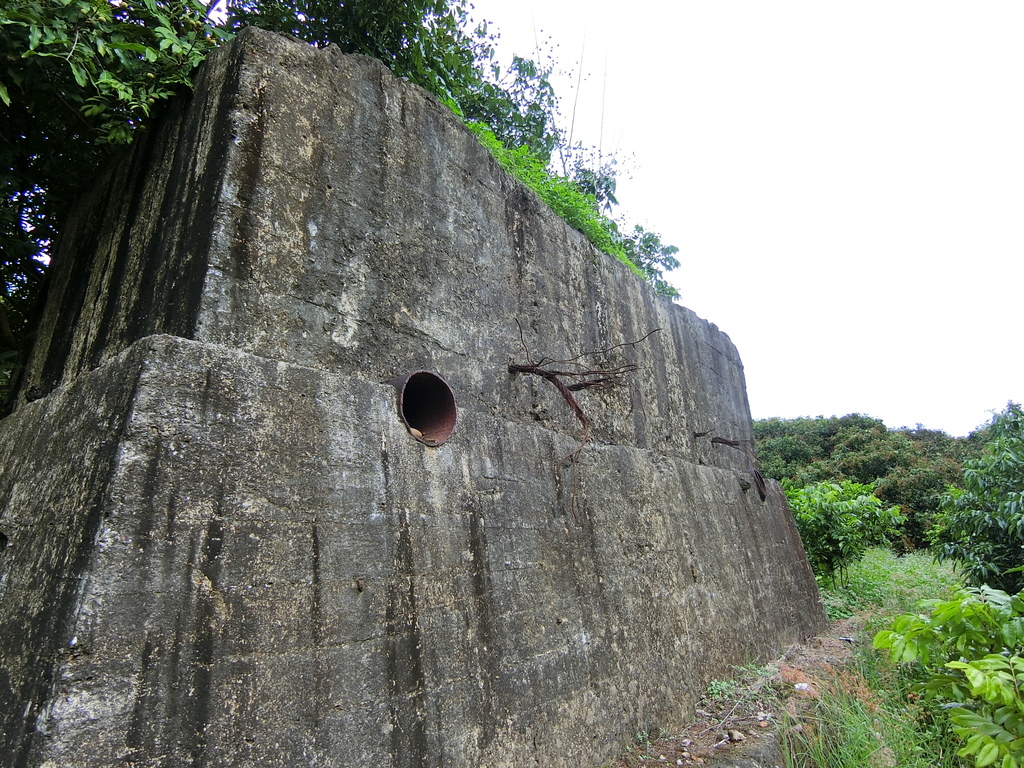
883,583
749,681
868,714
722,689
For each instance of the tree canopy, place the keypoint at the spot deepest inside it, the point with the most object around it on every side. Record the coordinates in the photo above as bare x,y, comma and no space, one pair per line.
77,77
910,468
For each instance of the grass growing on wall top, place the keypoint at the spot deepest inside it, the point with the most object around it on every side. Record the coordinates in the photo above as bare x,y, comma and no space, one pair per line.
562,195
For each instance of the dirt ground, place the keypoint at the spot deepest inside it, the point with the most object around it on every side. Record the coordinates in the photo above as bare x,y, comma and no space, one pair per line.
738,726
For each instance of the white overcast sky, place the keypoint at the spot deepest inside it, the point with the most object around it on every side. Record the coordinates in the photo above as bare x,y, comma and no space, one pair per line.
844,180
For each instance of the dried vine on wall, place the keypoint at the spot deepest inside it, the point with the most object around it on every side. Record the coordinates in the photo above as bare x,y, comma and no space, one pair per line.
754,473
572,375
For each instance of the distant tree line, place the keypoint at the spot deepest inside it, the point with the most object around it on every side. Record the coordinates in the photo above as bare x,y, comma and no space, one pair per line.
910,468
961,496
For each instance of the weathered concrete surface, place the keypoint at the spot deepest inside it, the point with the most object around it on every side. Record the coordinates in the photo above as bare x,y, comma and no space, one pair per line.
363,229
57,457
246,560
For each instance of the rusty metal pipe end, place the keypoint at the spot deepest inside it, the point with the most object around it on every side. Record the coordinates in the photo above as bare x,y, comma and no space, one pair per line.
426,405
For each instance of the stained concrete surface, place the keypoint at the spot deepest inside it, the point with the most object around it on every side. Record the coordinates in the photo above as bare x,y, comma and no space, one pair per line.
224,546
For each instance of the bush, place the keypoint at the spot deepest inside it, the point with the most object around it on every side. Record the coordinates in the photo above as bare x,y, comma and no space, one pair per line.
982,525
968,648
838,522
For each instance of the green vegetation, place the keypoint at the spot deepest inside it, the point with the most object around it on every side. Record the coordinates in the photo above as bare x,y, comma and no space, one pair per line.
642,251
911,468
868,713
886,584
838,522
836,712
77,77
562,195
981,526
648,254
956,667
950,690
967,653
863,718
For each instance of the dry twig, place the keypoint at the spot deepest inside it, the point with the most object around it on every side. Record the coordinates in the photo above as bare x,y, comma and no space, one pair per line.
580,376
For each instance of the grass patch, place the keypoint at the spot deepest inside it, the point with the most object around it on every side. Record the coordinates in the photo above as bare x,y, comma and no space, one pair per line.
866,713
882,583
866,716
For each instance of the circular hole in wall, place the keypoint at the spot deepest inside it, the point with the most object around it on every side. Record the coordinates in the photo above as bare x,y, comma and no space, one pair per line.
427,406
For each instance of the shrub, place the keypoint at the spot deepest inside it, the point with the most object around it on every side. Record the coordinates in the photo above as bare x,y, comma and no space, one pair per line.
968,648
838,522
982,525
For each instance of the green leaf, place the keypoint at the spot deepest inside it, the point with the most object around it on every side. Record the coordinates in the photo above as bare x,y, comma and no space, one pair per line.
81,76
133,47
883,639
987,755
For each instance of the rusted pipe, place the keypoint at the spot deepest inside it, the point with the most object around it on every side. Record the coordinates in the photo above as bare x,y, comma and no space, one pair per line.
426,405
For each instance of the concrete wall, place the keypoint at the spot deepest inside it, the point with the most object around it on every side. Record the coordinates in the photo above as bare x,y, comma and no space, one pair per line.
246,559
